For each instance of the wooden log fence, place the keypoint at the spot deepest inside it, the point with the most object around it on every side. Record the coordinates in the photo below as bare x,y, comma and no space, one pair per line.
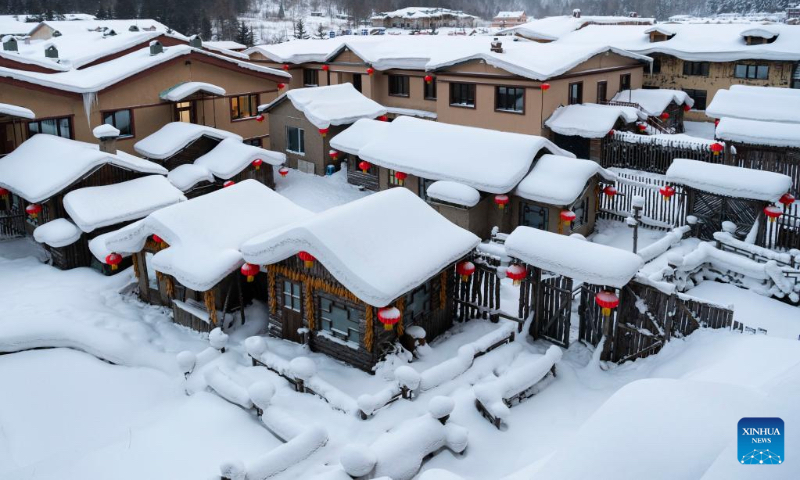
784,232
12,225
651,154
657,213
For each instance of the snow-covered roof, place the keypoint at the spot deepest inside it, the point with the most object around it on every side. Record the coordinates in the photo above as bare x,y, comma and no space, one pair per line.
11,26
299,51
57,233
413,13
338,104
384,265
186,176
174,137
755,132
729,180
16,111
105,131
553,28
186,89
769,104
454,192
654,101
224,45
573,257
45,164
487,160
760,32
96,207
557,180
358,135
231,156
510,14
72,27
590,120
664,30
204,234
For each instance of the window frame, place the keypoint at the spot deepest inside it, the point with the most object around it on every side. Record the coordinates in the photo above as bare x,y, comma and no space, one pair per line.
625,82
403,82
755,68
497,99
253,98
301,140
604,84
427,88
312,72
68,118
579,93
290,294
694,94
352,330
467,86
113,113
691,69
410,317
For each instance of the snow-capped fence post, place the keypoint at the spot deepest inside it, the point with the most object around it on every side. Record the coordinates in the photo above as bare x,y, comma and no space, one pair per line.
255,347
232,470
218,340
186,361
408,379
303,368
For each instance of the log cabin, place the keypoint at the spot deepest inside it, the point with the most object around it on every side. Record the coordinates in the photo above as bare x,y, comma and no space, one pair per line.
581,128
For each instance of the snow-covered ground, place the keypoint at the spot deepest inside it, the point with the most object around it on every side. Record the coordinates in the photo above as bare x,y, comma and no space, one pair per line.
700,129
317,193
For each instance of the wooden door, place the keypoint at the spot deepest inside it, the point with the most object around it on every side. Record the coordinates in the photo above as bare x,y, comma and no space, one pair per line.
292,310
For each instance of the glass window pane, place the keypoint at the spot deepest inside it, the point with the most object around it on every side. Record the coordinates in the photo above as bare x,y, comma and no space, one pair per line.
49,126
763,72
740,71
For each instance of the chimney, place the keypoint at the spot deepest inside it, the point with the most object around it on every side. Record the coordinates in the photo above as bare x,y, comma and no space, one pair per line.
107,136
496,46
133,28
10,44
576,13
156,47
633,15
195,41
51,52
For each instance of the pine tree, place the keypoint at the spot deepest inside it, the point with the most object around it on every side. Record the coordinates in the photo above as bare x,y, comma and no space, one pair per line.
281,12
321,33
244,35
206,31
300,29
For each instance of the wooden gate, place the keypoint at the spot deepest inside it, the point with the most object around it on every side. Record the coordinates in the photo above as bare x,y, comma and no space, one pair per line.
553,308
711,210
12,224
590,327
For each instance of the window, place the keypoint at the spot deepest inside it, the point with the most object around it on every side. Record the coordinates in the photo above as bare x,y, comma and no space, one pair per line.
602,92
357,82
699,97
60,127
292,298
430,90
184,112
256,142
796,76
695,68
509,99
339,320
424,183
121,120
398,85
295,140
575,93
625,82
760,72
533,216
418,303
310,77
656,66
462,94
244,106
393,180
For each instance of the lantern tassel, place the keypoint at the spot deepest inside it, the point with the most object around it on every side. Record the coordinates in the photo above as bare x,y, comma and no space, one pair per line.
250,278
308,263
388,326
606,311
114,267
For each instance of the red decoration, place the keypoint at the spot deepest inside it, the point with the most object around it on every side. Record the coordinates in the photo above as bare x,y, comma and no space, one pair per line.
389,316
401,177
641,126
686,108
772,212
545,87
611,133
607,300
716,148
516,273
787,199
667,192
567,216
228,184
610,190
281,86
370,71
34,209
665,116
716,122
307,258
3,193
364,166
333,154
283,171
114,259
286,66
325,68
160,241
250,271
257,163
465,269
260,117
428,79
501,201
323,132
383,118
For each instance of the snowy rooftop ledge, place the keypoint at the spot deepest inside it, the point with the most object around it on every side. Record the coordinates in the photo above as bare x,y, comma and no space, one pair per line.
331,105
557,180
204,234
174,137
232,156
590,120
486,160
363,248
573,257
773,134
57,233
16,111
185,89
728,180
769,104
654,101
45,164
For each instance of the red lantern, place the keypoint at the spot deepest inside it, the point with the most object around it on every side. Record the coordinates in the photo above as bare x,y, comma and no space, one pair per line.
34,209
686,108
325,68
606,300
160,241
323,132
257,163
665,116
667,192
286,67
383,118
260,117
716,122
281,86
641,126
389,316
772,212
401,177
370,71
283,171
333,154
465,269
250,271
716,148
364,166
567,216
428,79
611,133
307,258
114,259
516,273
228,184
610,190
501,201
545,87
787,199
3,193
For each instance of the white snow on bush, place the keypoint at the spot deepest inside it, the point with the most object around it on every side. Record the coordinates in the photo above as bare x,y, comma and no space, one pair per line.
174,137
590,120
16,111
654,101
557,180
768,104
454,192
186,176
57,233
200,254
185,89
45,164
96,207
728,180
754,132
413,254
232,156
487,160
578,259
330,105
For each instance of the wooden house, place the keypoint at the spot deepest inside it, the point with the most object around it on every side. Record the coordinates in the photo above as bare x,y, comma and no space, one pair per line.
354,279
664,108
303,126
179,143
581,128
187,257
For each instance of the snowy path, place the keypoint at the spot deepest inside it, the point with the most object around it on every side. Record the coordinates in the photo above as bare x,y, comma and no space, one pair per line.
317,193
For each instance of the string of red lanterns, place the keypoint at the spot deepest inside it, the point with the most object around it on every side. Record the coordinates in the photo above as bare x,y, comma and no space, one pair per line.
401,177
283,171
323,132
33,210
501,201
772,212
364,166
666,192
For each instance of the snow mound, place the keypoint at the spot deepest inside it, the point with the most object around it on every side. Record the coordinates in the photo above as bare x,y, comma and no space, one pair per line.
303,368
590,120
186,176
557,180
231,156
261,394
330,105
357,460
728,180
174,137
454,192
654,101
441,406
185,89
754,132
768,104
57,233
105,131
16,111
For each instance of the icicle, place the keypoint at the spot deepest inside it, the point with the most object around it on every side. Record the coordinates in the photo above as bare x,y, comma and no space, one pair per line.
89,100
